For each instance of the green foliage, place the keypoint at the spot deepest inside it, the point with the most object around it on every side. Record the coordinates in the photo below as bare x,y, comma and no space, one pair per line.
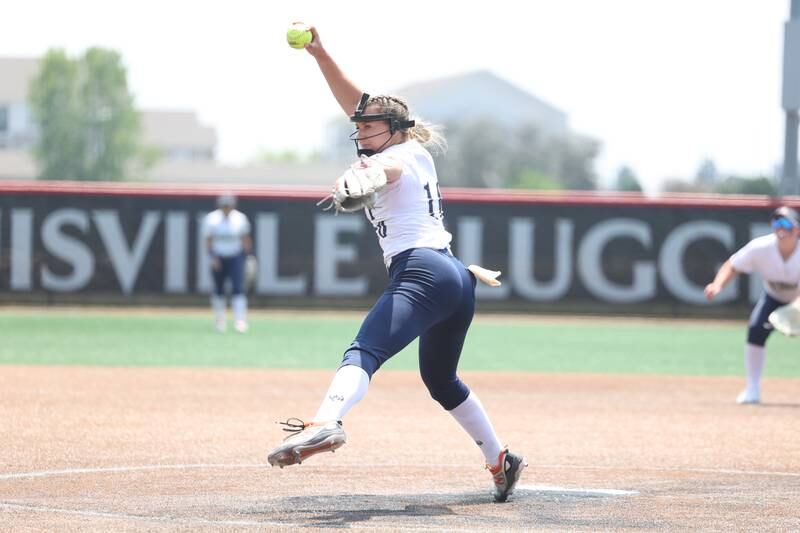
475,155
485,153
708,180
146,156
682,186
89,125
576,156
55,100
707,174
530,179
627,180
756,185
731,185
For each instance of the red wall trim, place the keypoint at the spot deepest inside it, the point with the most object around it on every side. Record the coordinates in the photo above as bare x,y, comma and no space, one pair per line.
315,193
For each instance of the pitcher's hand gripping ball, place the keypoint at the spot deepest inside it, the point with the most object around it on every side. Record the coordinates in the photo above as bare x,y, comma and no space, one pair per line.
298,35
356,188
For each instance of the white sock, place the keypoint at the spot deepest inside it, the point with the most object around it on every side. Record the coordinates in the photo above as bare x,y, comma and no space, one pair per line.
218,306
348,387
239,305
472,417
753,364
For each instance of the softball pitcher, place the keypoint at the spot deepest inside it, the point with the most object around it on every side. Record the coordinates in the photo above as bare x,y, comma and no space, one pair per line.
430,295
776,258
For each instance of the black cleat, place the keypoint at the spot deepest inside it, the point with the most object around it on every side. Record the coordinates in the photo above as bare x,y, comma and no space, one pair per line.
506,474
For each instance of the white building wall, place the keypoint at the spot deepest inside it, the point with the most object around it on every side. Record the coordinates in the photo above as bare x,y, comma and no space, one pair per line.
22,130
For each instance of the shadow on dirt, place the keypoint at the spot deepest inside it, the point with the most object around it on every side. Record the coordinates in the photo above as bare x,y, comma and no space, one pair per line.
472,508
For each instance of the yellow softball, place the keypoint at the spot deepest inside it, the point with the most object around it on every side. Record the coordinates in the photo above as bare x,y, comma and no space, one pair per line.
298,35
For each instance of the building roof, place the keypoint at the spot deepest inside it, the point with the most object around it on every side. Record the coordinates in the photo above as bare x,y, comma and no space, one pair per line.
481,94
180,128
462,98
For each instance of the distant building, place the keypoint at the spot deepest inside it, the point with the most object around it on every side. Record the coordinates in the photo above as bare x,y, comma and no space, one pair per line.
482,94
178,135
462,98
17,129
188,148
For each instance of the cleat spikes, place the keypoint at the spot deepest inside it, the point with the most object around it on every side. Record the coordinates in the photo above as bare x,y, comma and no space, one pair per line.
306,441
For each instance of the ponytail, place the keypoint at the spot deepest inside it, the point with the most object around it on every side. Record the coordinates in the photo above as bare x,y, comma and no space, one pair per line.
429,135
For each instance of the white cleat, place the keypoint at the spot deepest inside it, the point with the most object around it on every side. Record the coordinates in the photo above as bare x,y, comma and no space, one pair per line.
749,396
308,439
219,325
241,326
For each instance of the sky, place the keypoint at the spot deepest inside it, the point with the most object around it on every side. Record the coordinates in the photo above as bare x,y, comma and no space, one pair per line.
660,85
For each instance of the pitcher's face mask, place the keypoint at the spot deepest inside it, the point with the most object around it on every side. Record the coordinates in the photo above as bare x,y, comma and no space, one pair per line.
393,124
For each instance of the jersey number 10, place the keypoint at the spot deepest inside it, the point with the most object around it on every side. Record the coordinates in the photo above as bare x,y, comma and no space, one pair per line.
439,211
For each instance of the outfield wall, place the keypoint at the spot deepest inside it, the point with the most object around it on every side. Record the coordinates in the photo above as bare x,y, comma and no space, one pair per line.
66,242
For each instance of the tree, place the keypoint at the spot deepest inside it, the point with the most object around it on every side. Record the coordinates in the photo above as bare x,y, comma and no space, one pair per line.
476,155
530,179
485,153
757,185
739,185
89,128
707,175
681,185
55,103
576,156
627,180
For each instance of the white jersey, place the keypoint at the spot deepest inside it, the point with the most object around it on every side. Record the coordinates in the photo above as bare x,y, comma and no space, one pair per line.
226,232
761,255
408,212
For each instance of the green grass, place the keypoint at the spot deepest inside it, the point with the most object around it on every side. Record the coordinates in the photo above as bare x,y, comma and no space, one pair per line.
313,340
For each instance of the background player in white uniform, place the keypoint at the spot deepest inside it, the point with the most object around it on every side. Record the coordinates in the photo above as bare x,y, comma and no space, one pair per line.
431,294
226,233
776,258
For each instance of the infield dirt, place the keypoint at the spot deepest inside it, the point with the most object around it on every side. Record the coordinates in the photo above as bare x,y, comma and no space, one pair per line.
155,449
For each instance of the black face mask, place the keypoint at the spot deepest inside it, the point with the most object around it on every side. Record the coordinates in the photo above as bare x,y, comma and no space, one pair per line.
366,151
360,116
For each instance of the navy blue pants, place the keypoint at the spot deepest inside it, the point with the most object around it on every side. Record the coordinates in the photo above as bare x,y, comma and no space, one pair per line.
431,295
760,327
233,269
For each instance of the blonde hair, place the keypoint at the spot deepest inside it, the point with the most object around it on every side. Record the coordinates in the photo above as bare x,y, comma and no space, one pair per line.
429,135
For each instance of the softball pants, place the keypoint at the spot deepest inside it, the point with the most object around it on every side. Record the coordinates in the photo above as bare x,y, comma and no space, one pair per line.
431,295
231,267
759,327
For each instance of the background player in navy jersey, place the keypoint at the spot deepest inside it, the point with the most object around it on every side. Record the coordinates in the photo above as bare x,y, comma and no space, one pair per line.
776,258
226,232
431,294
